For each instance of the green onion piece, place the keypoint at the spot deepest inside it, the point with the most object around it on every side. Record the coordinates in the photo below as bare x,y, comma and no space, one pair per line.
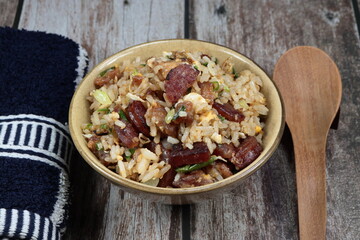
106,110
131,150
221,118
196,67
170,57
216,85
104,126
176,115
105,71
226,88
236,75
169,116
143,64
205,64
99,146
122,115
189,168
135,72
243,104
102,97
216,61
88,126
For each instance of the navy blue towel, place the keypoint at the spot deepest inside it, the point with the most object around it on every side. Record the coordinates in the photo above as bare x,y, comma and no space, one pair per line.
38,74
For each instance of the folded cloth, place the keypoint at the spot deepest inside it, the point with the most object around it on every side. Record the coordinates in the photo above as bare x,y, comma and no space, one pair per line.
38,73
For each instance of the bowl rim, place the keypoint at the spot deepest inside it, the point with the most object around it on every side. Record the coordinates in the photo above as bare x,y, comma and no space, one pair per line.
128,183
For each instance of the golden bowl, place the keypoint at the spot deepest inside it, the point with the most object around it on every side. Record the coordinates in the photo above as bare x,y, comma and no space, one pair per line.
274,123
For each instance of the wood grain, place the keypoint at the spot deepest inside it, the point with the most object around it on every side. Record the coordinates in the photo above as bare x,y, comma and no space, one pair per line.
101,210
7,12
265,208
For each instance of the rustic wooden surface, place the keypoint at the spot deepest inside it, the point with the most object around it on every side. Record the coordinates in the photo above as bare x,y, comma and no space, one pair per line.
7,12
265,206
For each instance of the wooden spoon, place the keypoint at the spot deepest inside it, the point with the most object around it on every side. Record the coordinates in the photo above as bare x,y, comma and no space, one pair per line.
310,85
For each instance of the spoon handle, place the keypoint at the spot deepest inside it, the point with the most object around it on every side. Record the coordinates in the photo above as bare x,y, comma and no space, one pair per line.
311,187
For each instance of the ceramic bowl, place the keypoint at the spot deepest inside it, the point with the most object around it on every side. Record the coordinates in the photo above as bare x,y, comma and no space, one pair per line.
79,114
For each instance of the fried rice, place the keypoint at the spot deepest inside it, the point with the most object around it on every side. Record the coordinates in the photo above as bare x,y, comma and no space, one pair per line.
174,117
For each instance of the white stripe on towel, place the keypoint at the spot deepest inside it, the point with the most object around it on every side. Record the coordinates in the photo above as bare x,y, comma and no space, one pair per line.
26,224
2,220
37,222
13,222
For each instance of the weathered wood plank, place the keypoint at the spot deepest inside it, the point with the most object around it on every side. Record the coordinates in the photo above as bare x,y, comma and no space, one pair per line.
7,12
265,207
101,210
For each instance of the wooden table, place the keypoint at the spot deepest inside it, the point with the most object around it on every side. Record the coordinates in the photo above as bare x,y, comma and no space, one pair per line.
265,207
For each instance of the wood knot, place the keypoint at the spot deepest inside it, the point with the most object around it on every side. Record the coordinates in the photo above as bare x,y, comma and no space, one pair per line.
331,17
221,10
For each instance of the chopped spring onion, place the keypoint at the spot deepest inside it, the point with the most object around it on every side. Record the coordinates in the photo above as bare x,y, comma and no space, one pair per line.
122,115
196,67
105,71
216,85
102,97
88,126
181,109
129,154
104,126
216,61
172,115
189,168
169,116
135,72
236,75
99,146
143,64
221,118
105,110
243,104
226,88
205,64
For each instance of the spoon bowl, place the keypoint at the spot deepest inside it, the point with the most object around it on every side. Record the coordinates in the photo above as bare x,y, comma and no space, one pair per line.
310,84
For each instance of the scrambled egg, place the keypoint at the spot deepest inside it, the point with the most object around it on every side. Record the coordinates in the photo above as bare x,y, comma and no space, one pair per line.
200,104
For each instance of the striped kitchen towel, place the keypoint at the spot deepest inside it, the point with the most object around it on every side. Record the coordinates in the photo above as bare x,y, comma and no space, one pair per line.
38,73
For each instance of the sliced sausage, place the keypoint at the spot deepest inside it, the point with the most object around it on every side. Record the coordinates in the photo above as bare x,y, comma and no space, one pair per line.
229,112
137,79
101,81
178,80
193,179
100,154
207,91
128,136
246,153
223,168
136,112
180,157
225,150
158,114
106,79
92,143
167,179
